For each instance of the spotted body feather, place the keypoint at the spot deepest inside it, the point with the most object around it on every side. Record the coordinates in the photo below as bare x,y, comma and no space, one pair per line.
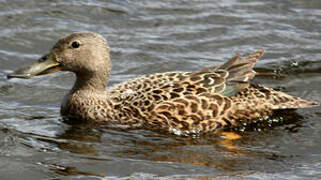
184,103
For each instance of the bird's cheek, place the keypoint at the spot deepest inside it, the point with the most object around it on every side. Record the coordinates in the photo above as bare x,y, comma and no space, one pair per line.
64,60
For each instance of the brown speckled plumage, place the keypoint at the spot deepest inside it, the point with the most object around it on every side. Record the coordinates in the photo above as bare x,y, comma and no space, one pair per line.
179,102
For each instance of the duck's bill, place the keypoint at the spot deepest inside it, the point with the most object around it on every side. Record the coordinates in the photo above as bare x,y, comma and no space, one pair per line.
44,65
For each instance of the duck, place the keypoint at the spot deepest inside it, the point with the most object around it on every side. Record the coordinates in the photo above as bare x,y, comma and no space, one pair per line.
205,101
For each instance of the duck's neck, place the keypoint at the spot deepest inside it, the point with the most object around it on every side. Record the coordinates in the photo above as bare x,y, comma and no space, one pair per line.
94,82
82,96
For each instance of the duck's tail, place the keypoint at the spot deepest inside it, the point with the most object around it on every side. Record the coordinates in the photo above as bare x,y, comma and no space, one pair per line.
281,100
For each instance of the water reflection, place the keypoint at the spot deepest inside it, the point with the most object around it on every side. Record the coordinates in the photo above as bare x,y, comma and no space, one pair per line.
217,152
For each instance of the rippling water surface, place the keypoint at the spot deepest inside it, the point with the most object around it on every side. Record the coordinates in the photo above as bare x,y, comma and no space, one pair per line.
157,36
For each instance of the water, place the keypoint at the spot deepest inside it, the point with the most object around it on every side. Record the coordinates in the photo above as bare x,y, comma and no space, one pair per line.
157,36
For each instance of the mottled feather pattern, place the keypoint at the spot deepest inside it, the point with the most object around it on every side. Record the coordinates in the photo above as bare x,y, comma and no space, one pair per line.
189,103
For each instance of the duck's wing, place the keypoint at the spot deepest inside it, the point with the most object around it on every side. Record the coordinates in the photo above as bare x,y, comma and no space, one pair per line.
227,78
203,101
185,97
239,69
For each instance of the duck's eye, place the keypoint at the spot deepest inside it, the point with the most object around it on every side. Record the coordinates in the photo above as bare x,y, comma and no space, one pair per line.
75,44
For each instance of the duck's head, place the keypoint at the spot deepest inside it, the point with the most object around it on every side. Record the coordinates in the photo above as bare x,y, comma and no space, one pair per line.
86,54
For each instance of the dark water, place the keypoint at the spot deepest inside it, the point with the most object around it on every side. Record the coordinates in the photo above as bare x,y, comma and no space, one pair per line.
157,36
